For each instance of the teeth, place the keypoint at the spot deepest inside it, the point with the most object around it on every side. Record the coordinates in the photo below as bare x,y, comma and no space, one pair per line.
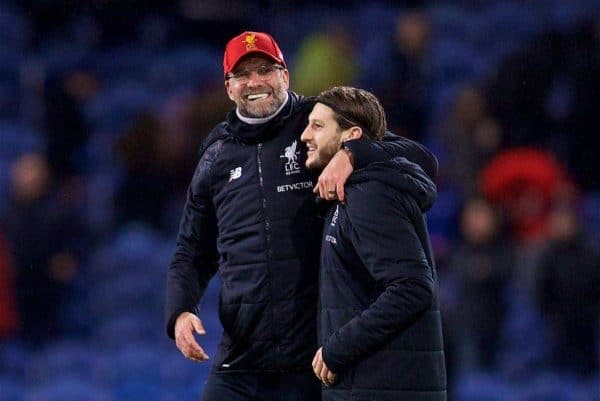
258,96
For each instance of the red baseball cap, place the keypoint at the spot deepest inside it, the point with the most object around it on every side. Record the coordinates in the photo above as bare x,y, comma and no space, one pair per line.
247,43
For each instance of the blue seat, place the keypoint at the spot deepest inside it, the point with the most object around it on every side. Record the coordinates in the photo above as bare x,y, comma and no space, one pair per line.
451,21
591,216
130,361
564,15
15,30
9,87
551,387
138,389
134,248
17,139
124,62
177,371
127,328
11,389
184,68
61,359
457,61
14,358
68,389
441,218
483,387
111,110
524,334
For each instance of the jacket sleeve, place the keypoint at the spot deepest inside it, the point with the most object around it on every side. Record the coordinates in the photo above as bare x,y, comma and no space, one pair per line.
195,259
366,152
385,239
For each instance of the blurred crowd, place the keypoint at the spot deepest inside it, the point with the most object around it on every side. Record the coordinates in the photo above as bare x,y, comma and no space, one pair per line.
103,106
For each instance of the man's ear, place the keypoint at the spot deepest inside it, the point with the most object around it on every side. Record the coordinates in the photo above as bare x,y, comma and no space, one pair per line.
227,87
353,133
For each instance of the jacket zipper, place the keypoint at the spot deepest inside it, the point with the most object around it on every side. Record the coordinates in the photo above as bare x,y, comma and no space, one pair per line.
267,225
264,202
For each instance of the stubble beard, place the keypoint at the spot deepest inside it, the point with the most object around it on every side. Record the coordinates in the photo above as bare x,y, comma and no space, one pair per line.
323,156
259,109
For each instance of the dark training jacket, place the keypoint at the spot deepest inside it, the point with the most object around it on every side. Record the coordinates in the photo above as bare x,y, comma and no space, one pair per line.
379,321
250,215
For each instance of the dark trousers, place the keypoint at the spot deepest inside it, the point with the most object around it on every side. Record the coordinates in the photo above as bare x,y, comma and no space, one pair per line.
262,387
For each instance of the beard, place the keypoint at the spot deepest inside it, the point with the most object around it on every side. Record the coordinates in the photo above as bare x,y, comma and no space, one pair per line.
261,108
323,155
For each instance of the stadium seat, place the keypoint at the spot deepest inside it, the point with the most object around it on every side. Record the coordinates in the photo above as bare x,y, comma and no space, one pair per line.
483,387
11,389
13,360
68,389
17,139
551,387
59,360
183,68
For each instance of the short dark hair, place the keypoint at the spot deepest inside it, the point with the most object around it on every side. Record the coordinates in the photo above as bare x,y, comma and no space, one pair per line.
355,107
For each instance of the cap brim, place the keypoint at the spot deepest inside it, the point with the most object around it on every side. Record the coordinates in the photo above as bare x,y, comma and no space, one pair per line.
253,53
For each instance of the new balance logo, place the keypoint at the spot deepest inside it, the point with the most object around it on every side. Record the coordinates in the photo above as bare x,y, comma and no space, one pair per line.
235,173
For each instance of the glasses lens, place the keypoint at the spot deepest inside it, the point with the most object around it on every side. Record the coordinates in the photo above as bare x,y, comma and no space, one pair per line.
264,71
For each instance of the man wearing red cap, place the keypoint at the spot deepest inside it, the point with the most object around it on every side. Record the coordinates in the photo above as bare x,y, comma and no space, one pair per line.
251,216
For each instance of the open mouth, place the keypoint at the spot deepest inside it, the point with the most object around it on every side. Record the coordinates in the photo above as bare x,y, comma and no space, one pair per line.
257,96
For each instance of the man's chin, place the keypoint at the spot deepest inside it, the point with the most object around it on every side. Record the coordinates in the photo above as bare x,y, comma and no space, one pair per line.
315,164
259,108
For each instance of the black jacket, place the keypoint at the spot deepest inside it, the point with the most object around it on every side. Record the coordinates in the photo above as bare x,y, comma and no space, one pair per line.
250,215
379,322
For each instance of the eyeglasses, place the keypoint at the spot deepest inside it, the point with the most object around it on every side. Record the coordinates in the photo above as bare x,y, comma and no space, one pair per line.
264,72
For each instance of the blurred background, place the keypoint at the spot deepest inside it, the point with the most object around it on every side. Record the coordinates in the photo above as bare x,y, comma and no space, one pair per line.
103,105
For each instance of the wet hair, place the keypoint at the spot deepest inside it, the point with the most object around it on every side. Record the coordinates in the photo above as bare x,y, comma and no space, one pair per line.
355,107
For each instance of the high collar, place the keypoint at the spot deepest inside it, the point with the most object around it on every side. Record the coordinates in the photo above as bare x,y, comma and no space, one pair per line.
260,132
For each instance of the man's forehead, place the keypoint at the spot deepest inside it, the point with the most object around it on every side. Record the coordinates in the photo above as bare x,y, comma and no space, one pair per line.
253,61
321,112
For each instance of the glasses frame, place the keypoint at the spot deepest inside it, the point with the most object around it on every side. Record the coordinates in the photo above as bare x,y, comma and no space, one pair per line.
264,72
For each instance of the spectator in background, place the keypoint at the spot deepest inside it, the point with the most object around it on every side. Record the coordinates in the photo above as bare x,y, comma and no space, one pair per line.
147,185
523,183
470,137
67,129
318,61
404,96
568,294
482,266
544,96
185,119
47,239
9,314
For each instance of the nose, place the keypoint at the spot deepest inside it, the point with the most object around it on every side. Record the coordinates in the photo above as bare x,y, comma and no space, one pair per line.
306,134
254,79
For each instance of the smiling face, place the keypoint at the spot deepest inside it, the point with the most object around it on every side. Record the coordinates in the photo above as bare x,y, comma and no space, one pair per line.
323,136
258,86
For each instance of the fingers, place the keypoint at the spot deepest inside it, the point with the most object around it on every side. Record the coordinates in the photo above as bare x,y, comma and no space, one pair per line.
330,185
185,339
321,370
330,379
317,364
198,327
340,190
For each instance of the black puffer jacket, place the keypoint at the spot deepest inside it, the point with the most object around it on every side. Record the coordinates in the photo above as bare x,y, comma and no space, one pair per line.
380,325
250,215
